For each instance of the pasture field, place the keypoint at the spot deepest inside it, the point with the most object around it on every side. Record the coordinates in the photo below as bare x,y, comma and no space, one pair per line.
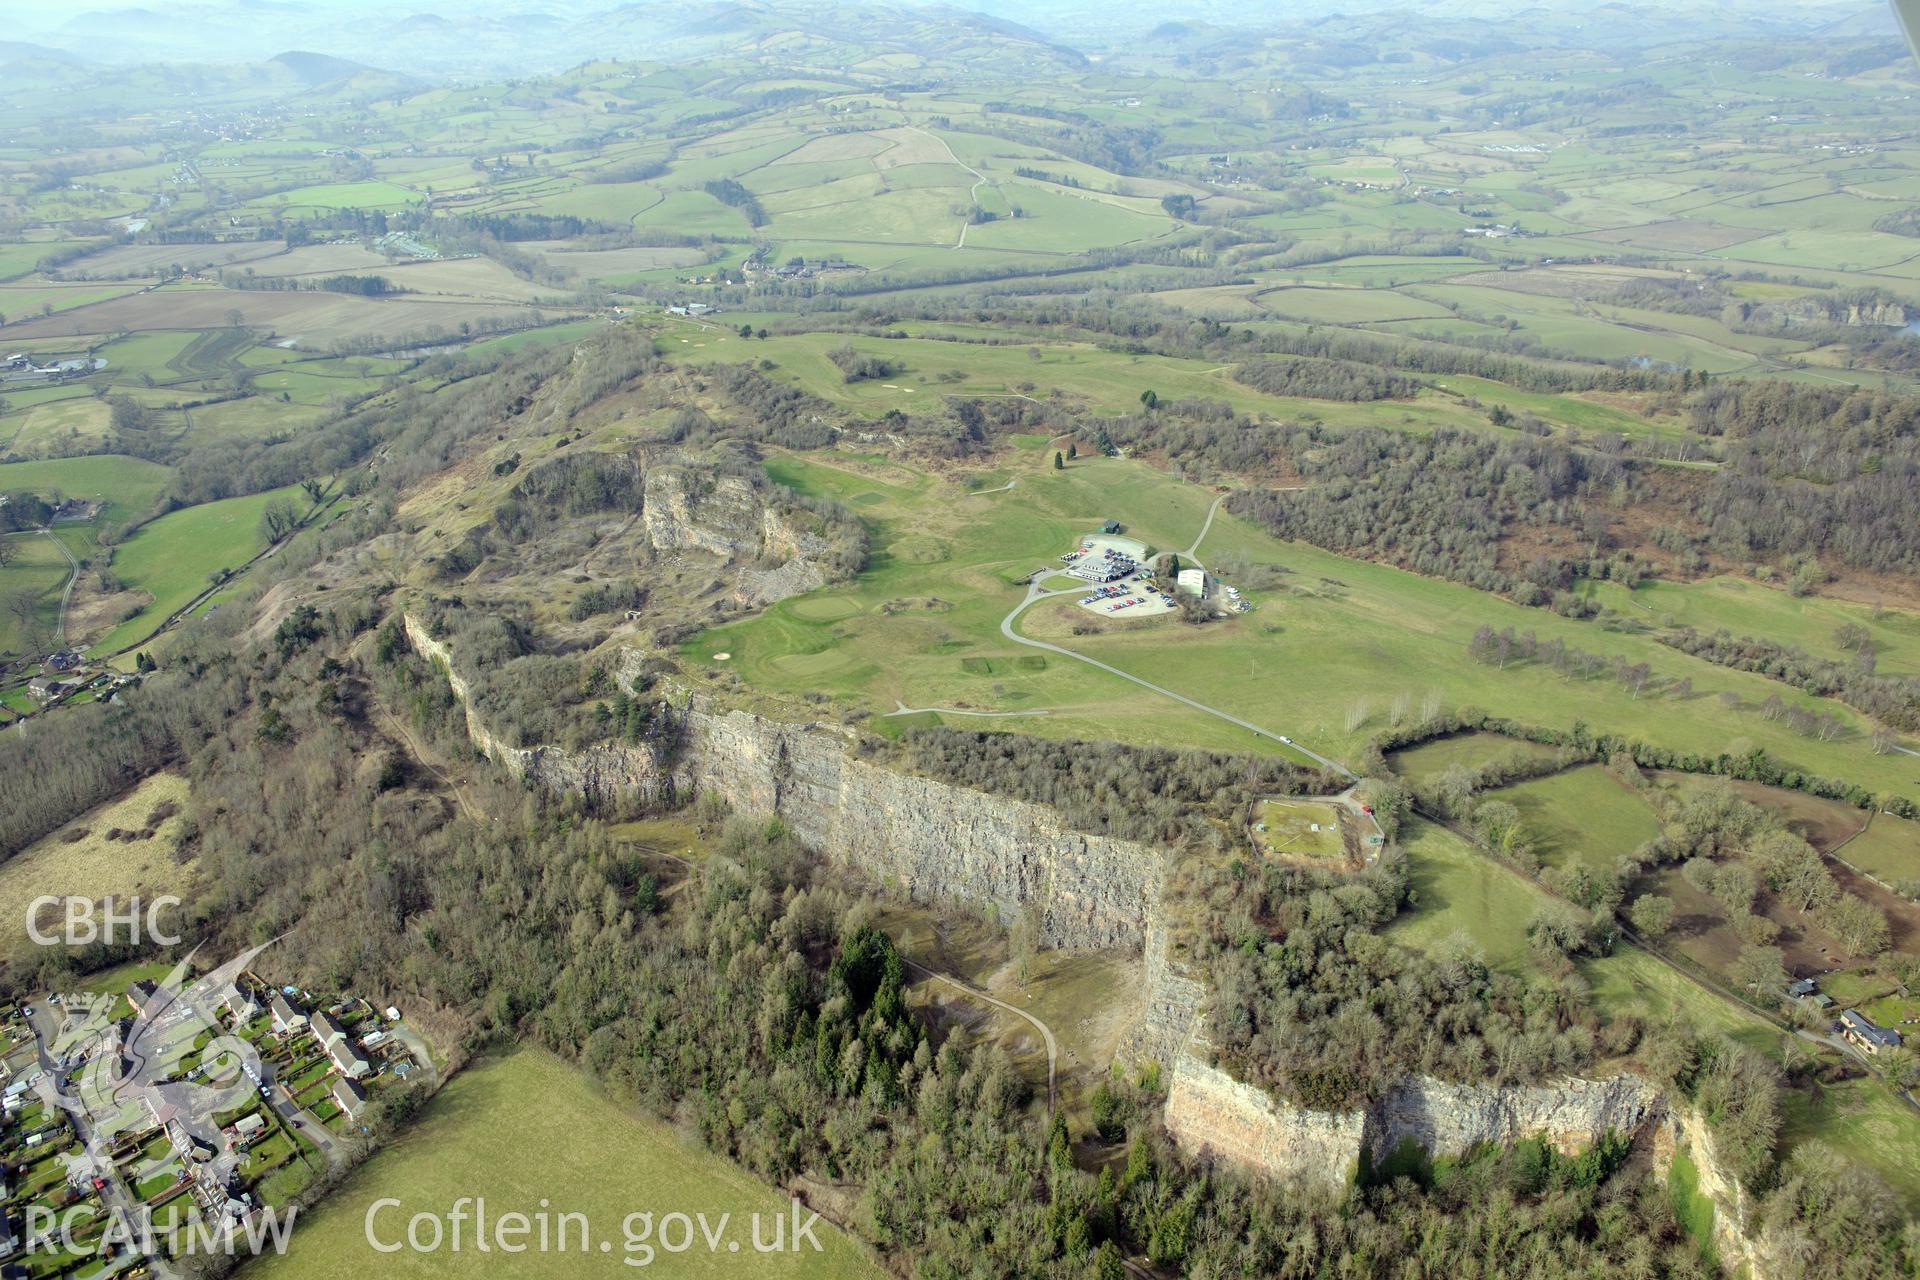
86,859
1889,848
38,570
1103,380
170,559
1429,760
61,427
1328,628
315,318
1749,608
1457,890
128,486
1583,815
516,1130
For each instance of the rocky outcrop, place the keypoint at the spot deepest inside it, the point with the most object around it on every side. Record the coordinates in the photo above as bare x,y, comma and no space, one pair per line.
1208,1110
603,771
1451,1119
927,839
1736,1235
688,509
705,512
1172,998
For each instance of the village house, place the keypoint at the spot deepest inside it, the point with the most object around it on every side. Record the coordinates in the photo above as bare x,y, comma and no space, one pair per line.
238,1003
46,688
145,998
326,1029
288,1017
347,1059
348,1095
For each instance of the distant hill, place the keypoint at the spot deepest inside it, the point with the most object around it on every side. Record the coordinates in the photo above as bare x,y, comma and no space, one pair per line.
19,51
319,68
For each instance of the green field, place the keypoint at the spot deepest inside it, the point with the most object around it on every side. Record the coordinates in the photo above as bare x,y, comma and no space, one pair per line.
528,1130
1300,829
1889,848
1429,760
38,570
1457,890
170,558
1331,633
1583,815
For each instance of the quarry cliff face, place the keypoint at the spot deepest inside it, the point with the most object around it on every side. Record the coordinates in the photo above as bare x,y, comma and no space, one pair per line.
928,840
935,842
604,770
1208,1110
688,509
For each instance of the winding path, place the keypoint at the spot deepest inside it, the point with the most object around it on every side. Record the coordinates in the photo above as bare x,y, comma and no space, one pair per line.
1205,528
967,988
1036,593
902,709
73,579
973,192
398,729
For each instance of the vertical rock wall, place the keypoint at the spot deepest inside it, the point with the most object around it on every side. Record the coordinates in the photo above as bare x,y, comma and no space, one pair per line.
1208,1110
927,839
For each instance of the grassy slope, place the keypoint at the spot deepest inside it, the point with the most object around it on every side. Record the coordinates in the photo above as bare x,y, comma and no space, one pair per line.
94,865
1339,630
526,1130
1583,815
172,557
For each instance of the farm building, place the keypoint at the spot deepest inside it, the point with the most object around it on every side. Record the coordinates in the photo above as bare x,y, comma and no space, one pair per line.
1866,1033
46,689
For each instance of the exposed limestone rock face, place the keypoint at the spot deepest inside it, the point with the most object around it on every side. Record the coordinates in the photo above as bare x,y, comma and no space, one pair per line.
1890,314
765,586
1208,1110
934,841
1170,1013
686,509
1450,1119
1735,1230
927,839
604,770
